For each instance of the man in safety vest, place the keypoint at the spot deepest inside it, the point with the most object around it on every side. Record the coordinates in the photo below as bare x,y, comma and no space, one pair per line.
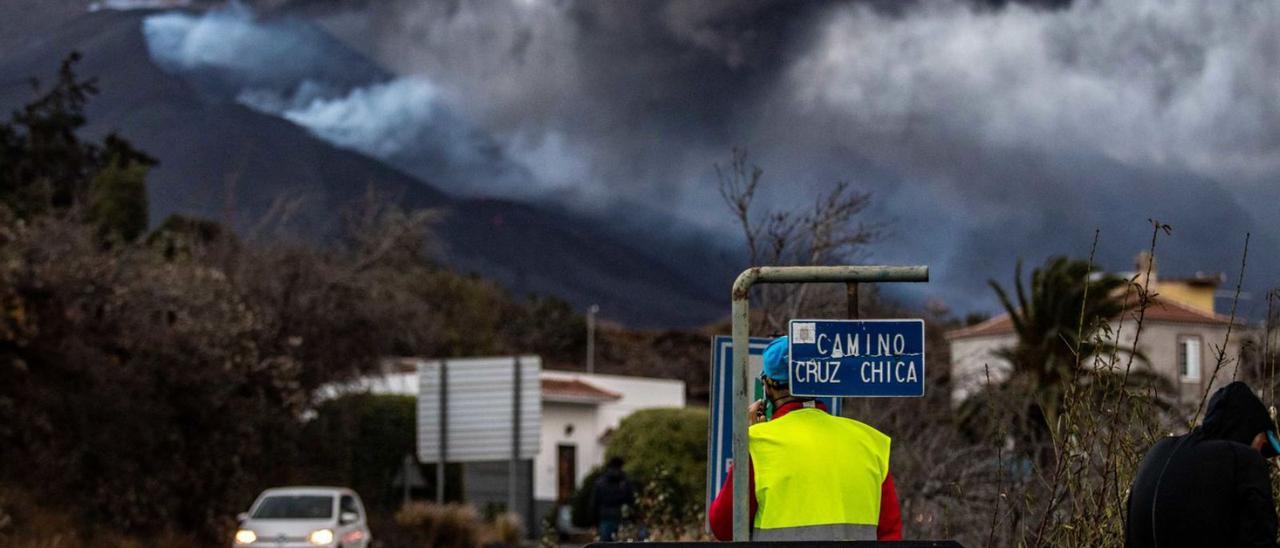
813,476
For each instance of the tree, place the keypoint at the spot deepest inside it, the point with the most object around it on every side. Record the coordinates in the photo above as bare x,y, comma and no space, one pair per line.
549,327
46,167
118,197
831,231
1062,323
360,440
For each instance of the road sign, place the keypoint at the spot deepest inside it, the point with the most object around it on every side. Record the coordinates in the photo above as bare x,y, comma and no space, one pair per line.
720,429
468,408
859,358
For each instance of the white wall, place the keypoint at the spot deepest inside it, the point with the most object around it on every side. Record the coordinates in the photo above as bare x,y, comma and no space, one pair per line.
396,384
971,357
637,393
556,417
1159,343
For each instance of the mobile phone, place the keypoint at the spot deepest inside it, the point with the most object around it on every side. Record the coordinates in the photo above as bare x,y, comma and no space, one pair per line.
759,395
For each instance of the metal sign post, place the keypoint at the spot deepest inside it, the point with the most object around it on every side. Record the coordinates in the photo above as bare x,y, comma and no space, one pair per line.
444,431
741,298
513,467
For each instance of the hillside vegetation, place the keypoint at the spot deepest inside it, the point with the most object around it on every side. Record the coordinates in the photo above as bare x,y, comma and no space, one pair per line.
155,380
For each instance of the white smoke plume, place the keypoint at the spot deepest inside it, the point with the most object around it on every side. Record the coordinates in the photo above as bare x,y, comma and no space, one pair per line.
380,120
288,68
232,49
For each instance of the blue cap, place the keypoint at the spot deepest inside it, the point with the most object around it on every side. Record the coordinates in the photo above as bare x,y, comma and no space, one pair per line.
776,356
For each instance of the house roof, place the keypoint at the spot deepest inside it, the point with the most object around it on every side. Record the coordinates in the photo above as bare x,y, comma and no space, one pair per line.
995,325
1199,278
575,391
1158,310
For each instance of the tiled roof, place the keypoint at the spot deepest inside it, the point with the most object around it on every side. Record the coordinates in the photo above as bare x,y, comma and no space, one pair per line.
400,365
576,391
997,325
1158,310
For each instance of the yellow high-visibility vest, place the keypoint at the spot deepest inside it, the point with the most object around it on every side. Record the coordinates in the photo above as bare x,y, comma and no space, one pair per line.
818,477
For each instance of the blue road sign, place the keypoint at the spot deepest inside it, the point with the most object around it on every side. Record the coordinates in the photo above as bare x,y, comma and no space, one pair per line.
720,429
858,358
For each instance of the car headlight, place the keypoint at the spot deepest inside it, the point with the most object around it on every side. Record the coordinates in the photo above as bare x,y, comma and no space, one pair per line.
245,536
323,536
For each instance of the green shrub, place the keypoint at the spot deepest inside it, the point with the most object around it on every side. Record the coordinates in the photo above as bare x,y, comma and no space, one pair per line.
665,448
584,514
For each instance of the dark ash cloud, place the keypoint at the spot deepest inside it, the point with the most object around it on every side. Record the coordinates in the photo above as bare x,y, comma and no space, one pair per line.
986,131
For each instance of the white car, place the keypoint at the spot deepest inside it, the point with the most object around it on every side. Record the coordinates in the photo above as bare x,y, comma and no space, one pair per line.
288,517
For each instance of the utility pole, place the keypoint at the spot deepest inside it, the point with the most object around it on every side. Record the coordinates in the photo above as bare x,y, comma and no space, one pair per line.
591,338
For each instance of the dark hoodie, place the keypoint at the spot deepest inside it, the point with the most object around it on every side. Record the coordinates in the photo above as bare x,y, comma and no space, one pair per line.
612,492
1208,487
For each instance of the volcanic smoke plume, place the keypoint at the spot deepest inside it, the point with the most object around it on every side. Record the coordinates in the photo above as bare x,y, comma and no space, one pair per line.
985,133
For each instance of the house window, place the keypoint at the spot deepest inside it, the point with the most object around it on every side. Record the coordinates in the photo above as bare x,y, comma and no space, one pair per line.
1189,358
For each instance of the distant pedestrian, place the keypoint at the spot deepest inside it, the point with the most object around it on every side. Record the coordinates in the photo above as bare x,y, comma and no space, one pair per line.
613,492
1211,486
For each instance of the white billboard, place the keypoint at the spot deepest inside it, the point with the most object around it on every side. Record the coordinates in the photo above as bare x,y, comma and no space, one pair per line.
477,405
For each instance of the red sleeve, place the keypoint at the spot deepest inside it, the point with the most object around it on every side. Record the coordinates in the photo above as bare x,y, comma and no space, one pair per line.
890,527
720,515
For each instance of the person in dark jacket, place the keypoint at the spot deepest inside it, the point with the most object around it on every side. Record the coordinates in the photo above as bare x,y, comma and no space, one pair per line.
1211,486
612,492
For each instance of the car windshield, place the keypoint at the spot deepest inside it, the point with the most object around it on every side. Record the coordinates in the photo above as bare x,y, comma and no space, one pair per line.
295,507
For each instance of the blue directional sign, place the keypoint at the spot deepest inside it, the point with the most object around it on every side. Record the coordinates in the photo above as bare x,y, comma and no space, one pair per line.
860,358
720,427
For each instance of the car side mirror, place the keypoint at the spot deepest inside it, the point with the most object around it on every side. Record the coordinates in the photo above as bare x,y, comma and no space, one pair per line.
242,516
348,518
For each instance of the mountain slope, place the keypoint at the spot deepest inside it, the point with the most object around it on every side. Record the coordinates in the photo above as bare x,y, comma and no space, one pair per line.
222,160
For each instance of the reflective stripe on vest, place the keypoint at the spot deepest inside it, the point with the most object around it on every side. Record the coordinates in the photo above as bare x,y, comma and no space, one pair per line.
839,531
818,477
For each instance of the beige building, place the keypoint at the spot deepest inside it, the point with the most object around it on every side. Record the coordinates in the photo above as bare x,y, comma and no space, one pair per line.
1181,335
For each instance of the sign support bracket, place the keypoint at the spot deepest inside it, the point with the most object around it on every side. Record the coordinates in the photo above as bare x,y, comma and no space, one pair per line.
513,467
851,295
741,298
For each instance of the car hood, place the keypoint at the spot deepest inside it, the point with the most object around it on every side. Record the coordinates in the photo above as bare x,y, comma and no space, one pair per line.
269,529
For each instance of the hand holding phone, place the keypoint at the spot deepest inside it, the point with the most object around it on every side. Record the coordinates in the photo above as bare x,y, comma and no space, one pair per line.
755,412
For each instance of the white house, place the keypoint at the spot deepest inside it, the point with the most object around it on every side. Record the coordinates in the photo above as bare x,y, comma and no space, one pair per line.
578,412
1181,329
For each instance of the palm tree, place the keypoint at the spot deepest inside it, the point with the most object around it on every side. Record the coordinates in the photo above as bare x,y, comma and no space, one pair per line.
1057,322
